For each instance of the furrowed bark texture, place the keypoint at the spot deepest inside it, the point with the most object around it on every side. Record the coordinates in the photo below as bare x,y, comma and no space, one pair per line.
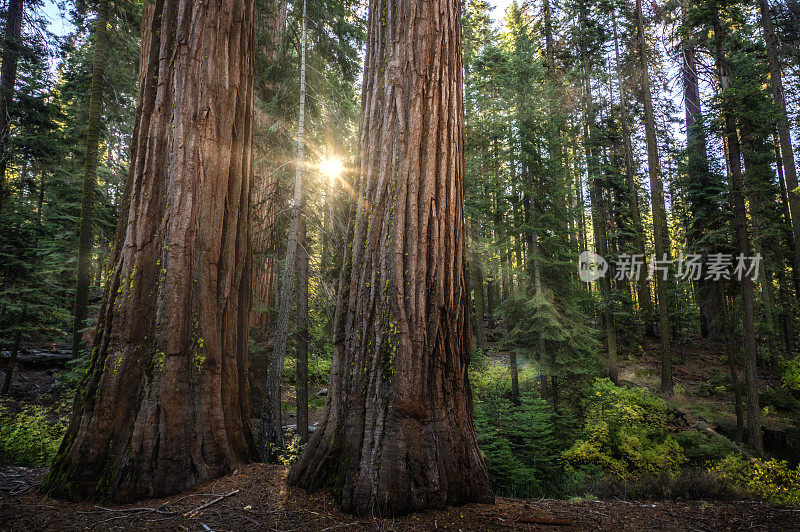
397,433
165,401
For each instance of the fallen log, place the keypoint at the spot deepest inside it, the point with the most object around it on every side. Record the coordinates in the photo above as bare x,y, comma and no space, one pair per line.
38,359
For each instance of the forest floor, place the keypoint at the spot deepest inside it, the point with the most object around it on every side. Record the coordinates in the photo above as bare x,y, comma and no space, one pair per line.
257,498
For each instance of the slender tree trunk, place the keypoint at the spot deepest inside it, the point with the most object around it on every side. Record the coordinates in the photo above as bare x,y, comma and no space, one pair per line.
541,354
787,217
660,237
784,135
477,286
514,378
302,333
397,432
12,360
271,420
40,201
731,352
8,79
95,122
742,240
643,286
271,24
599,213
490,300
549,58
699,189
164,405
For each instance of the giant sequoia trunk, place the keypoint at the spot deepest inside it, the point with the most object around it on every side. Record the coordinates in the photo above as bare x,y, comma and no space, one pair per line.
84,273
397,432
164,403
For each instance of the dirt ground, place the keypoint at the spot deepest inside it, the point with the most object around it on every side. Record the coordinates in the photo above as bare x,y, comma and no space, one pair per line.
257,498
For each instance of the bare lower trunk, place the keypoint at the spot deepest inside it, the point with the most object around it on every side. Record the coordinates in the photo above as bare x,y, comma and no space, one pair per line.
163,406
731,353
302,333
397,432
477,287
12,360
514,378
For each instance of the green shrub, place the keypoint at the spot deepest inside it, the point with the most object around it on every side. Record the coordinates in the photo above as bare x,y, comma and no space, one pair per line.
319,370
29,437
490,381
767,480
791,374
700,448
690,483
718,384
519,446
625,435
780,398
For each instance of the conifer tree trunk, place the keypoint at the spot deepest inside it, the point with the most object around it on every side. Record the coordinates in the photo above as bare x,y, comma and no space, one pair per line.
477,286
84,273
12,358
784,135
164,404
660,237
397,432
599,213
731,352
302,333
8,78
643,286
549,57
271,420
700,189
742,238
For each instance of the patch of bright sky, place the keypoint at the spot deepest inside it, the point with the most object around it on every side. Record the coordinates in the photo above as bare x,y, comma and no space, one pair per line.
59,25
499,11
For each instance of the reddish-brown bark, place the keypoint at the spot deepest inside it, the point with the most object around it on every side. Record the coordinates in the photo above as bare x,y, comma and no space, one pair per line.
397,433
164,405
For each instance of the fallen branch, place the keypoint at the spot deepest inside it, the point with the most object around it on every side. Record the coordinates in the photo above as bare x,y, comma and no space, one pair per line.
192,513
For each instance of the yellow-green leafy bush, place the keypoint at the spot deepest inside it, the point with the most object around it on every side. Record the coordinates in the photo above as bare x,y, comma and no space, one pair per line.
626,435
29,437
767,480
